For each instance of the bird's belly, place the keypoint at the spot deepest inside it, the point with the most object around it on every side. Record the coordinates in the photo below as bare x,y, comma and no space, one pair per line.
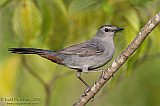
92,62
100,61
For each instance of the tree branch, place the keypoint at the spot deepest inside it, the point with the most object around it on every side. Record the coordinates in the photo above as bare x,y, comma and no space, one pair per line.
119,61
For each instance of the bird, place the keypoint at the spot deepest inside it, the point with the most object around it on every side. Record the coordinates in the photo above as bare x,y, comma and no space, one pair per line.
83,57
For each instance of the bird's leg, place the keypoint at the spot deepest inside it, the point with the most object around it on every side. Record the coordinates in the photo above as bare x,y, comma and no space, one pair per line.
79,76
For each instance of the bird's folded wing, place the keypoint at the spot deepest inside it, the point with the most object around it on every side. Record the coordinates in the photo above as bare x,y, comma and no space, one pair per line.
83,49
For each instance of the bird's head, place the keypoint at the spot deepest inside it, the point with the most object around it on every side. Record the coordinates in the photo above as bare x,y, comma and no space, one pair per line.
108,31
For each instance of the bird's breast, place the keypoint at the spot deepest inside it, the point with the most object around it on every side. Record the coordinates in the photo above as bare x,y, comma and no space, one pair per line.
104,58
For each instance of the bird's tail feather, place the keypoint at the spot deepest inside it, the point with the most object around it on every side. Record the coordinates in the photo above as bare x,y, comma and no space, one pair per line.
48,54
28,51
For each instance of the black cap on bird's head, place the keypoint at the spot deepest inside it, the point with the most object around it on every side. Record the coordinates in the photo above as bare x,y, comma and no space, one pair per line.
110,28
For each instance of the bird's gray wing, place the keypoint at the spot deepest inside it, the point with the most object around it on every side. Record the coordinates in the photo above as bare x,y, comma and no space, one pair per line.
83,49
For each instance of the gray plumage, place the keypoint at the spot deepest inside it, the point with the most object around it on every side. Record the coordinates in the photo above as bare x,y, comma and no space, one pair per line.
85,56
93,53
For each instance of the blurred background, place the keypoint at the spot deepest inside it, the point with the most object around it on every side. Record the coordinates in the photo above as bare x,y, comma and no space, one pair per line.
55,24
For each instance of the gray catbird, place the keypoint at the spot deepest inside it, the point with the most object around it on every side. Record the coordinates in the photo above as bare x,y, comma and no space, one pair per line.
83,57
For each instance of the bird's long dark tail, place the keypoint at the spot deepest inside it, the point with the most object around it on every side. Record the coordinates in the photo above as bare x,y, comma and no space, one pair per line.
28,51
48,54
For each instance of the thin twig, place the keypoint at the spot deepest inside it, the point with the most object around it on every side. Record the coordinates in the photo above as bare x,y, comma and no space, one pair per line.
51,84
35,75
47,85
58,76
29,69
48,95
119,61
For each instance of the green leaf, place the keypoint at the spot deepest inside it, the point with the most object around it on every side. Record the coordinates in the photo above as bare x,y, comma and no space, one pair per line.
129,33
27,20
47,17
79,5
108,8
62,7
132,17
138,2
155,39
3,2
8,74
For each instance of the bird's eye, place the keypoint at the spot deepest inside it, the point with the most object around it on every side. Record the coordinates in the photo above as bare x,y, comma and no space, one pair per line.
106,29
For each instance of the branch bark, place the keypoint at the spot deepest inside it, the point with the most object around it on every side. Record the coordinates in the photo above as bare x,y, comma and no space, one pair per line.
119,61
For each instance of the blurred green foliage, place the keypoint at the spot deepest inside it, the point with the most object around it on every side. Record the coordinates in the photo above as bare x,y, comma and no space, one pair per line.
55,24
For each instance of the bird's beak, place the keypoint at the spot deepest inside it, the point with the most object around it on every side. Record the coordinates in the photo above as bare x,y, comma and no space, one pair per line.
119,29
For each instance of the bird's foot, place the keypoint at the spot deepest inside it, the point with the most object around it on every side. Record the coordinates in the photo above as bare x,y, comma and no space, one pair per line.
86,91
